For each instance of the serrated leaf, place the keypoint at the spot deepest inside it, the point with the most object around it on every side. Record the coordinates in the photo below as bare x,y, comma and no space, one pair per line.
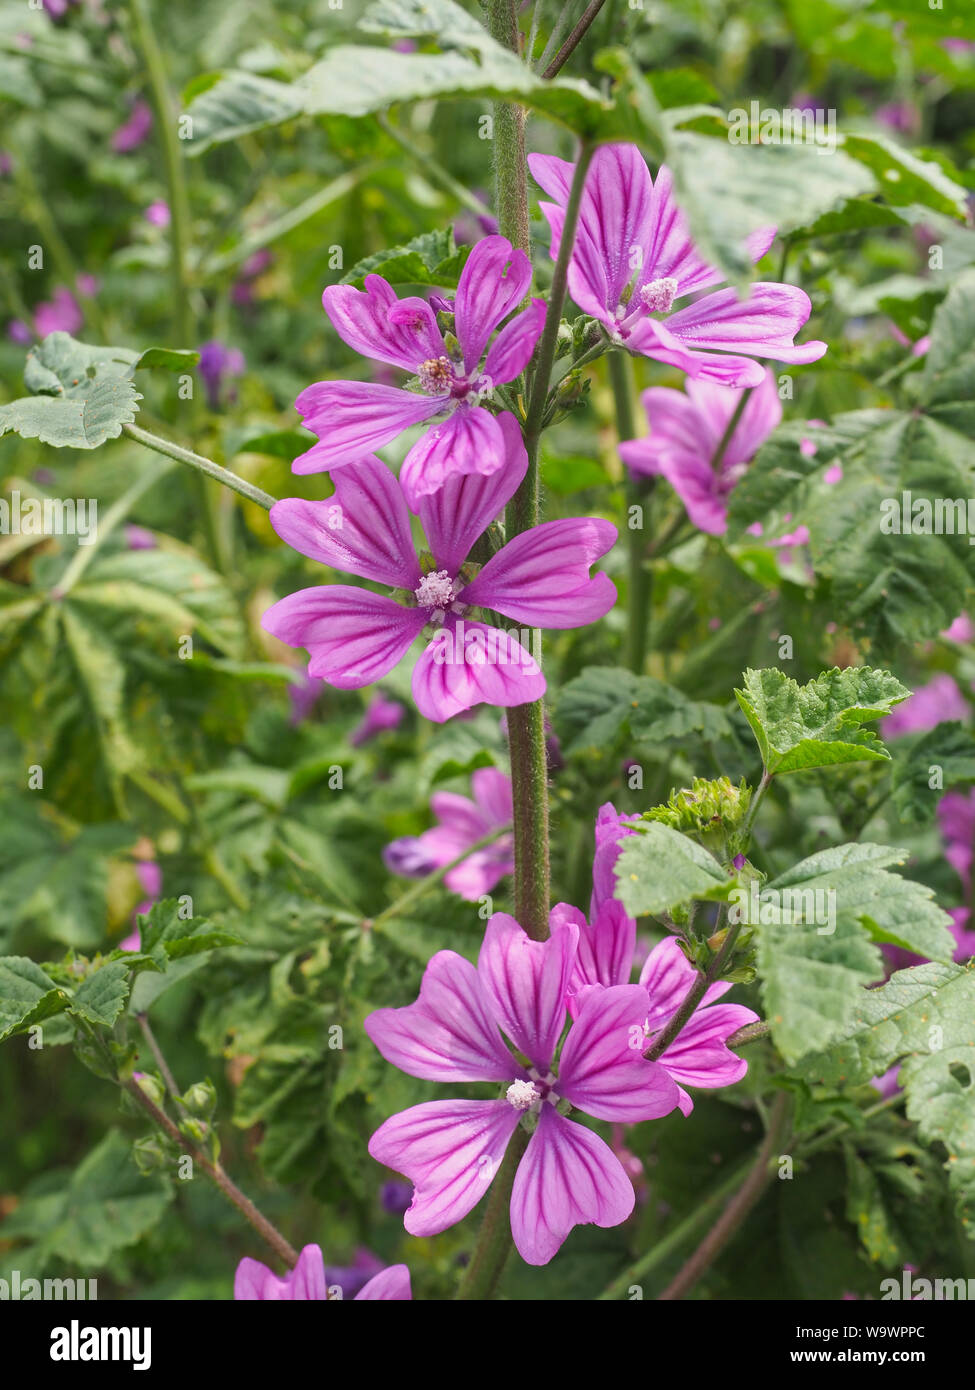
947,752
166,935
818,724
101,997
925,1015
600,706
659,868
27,995
414,262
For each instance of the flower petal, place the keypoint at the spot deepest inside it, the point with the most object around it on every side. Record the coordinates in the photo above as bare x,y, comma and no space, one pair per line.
352,418
511,350
698,1056
468,664
450,1033
255,1282
610,830
602,1069
493,282
352,635
668,978
376,324
392,1284
463,508
763,325
470,440
606,947
542,576
363,529
526,981
450,1151
567,1177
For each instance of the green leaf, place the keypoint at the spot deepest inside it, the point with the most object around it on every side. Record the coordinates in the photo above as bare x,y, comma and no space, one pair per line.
659,868
904,178
600,706
925,1015
238,103
893,910
173,359
105,1206
101,998
27,995
945,754
428,259
818,724
166,935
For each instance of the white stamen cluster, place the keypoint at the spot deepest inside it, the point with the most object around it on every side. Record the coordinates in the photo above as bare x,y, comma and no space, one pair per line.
658,296
522,1095
435,590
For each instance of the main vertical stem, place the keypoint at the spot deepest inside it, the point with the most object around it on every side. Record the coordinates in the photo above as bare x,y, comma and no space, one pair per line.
179,208
510,163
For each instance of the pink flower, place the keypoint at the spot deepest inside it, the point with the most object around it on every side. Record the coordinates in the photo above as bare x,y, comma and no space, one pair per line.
354,637
633,258
158,213
698,1056
59,314
149,874
930,704
381,714
956,819
254,1282
462,822
132,134
962,630
353,417
685,431
611,830
451,1149
138,538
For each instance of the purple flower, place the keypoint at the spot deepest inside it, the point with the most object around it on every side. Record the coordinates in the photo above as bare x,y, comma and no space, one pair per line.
633,258
462,822
685,431
902,117
130,135
354,637
381,714
6,164
218,366
611,830
59,314
158,213
930,704
352,418
958,46
698,1056
255,1282
149,874
19,332
395,1197
469,227
303,692
962,630
956,819
138,538
451,1149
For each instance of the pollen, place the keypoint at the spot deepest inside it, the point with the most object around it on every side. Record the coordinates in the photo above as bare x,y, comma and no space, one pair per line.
435,590
658,296
436,375
522,1095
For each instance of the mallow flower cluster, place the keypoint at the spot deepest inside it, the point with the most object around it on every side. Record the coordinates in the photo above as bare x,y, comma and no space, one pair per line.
461,824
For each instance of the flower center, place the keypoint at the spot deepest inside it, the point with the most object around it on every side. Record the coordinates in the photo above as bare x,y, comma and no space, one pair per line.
658,296
436,375
522,1095
435,590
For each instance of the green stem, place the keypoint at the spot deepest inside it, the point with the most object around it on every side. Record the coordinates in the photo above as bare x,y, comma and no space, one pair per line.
734,1214
157,1052
757,799
434,168
732,425
638,492
203,465
179,207
482,1275
424,885
678,1237
510,159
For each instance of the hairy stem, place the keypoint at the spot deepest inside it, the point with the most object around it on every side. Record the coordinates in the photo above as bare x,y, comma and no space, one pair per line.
510,164
203,465
213,1170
